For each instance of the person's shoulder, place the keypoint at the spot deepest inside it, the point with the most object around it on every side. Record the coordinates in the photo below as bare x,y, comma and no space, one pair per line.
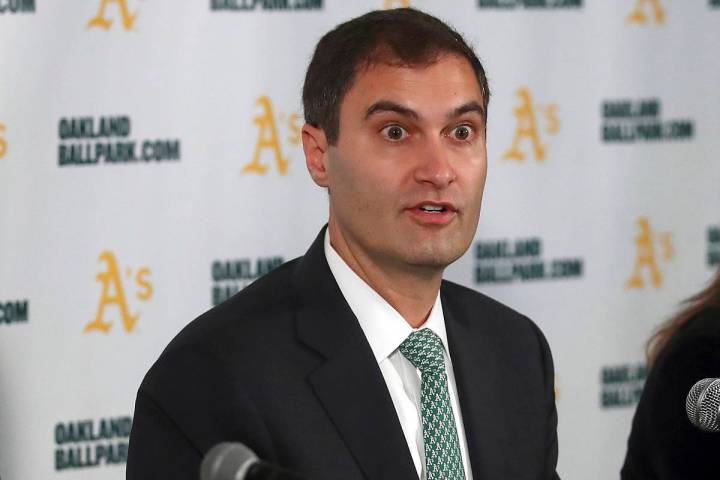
474,302
255,307
703,326
245,327
698,339
691,354
495,316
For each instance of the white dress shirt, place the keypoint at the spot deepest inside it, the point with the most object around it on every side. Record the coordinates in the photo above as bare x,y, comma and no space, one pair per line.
385,329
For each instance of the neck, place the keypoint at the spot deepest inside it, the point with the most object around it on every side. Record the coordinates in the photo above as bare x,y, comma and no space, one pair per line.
411,290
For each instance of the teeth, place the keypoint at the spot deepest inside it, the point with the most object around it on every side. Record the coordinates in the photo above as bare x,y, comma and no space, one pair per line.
432,208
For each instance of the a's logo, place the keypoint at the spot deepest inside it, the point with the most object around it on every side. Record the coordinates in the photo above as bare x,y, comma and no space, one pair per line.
113,294
713,250
654,8
503,261
17,6
631,121
3,142
14,311
396,4
533,121
651,248
101,20
231,276
534,4
269,139
91,443
621,385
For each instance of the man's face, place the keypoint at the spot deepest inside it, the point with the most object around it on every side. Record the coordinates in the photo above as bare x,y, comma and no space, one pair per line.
407,174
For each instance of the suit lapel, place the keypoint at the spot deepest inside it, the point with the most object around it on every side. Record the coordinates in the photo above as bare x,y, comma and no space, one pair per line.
478,374
348,383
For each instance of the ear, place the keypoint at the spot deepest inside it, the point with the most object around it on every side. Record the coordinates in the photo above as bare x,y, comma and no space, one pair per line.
315,146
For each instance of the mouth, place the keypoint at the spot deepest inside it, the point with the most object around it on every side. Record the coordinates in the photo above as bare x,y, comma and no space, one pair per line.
435,213
434,207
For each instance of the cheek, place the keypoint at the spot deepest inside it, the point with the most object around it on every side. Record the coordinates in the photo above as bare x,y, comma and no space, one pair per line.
354,186
474,174
368,174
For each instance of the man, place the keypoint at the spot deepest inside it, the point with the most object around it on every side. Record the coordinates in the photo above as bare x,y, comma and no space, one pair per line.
357,361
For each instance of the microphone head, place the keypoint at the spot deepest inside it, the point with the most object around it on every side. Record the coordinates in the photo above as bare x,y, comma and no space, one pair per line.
703,404
227,461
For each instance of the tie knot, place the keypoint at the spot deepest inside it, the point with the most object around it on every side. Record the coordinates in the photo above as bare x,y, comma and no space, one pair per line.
424,349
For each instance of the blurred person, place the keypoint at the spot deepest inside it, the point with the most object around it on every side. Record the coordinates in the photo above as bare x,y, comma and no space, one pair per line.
663,444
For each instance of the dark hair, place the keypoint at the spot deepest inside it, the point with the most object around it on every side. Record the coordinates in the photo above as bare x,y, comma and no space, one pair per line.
708,298
403,37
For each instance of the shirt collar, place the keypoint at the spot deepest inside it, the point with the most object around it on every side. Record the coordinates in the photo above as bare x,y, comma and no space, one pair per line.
384,328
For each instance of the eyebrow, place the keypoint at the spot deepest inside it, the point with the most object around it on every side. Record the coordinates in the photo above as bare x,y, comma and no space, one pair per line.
472,106
390,106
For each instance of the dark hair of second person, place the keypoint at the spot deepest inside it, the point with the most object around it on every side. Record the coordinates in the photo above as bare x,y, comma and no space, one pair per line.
707,298
663,443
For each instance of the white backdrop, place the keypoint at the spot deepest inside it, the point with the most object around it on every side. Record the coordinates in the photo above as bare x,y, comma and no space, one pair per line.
604,171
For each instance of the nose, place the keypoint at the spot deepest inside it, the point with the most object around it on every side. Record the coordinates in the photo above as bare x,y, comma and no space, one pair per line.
434,165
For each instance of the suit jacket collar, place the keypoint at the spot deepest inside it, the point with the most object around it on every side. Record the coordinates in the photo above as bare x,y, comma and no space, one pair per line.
348,383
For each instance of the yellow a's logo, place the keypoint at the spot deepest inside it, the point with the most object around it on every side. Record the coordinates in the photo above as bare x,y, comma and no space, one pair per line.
102,21
396,4
639,14
269,138
3,142
113,294
647,256
528,127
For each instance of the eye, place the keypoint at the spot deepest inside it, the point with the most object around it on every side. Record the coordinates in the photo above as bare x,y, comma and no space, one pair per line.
462,132
394,133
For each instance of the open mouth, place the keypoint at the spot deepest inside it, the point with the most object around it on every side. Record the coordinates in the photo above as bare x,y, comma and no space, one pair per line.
433,208
434,213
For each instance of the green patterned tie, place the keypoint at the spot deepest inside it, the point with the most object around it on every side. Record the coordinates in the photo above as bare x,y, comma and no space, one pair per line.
443,460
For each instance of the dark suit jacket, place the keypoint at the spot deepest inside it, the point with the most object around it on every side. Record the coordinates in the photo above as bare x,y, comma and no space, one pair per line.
285,368
663,444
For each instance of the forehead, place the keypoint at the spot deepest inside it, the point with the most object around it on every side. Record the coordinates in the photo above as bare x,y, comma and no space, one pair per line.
441,85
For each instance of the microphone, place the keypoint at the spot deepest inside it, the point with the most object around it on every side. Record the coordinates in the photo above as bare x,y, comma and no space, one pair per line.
235,461
703,404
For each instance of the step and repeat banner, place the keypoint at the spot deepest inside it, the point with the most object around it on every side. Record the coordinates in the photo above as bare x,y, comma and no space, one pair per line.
151,167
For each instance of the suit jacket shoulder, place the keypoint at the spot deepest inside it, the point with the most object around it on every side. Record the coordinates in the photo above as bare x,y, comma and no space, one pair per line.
505,377
208,383
496,320
252,312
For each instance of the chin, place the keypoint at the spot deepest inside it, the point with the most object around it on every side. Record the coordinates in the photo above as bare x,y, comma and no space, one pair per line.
433,256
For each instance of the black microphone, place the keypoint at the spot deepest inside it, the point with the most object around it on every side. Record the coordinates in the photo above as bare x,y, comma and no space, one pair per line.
235,461
703,404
